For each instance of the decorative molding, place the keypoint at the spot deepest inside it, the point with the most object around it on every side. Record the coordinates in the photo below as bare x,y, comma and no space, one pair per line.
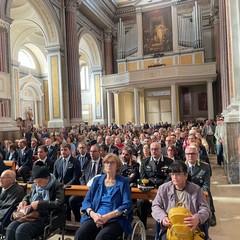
162,76
4,26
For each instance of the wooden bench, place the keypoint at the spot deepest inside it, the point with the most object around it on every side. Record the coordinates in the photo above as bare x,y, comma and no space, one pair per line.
80,190
10,164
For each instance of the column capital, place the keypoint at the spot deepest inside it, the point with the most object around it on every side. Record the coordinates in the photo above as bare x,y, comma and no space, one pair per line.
108,35
139,10
4,26
72,5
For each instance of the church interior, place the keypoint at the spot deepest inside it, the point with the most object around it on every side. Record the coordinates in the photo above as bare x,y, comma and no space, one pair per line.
66,62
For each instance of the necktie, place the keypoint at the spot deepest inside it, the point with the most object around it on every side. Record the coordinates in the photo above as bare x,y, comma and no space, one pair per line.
93,172
64,167
192,169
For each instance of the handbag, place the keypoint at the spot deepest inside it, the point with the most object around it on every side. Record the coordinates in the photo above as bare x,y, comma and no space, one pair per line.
177,229
26,215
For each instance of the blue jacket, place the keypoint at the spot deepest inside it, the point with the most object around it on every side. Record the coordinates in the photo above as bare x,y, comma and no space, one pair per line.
121,199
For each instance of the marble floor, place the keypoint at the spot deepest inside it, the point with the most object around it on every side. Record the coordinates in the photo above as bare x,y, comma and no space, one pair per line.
227,205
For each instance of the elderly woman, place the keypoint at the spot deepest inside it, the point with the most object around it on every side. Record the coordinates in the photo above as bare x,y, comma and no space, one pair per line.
180,190
106,203
46,194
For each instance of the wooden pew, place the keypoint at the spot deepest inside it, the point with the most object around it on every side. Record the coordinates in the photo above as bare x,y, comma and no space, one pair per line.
79,190
10,164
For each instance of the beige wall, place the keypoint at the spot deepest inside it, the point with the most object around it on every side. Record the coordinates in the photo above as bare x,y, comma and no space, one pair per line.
126,107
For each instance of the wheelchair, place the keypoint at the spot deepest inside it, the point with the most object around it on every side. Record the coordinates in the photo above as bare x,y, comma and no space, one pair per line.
139,232
56,225
6,220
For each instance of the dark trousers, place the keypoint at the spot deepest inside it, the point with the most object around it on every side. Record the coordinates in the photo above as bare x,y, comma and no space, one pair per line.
23,172
75,203
210,141
143,207
24,231
89,231
219,149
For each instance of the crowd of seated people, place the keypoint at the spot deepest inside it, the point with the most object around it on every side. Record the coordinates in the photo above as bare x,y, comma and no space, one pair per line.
74,157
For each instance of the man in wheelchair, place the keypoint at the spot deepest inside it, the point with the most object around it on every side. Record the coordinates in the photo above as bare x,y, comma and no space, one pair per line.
46,195
11,194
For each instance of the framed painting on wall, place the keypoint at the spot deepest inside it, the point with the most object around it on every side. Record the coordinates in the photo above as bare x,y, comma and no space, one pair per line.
157,31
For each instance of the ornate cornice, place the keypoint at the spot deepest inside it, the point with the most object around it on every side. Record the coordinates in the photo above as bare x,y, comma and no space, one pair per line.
4,26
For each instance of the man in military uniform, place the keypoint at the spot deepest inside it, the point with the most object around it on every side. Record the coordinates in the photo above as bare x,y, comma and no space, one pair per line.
199,173
155,169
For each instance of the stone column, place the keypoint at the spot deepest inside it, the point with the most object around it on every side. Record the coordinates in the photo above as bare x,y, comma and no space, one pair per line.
215,22
140,31
174,27
174,103
4,28
116,107
109,107
7,124
74,85
108,52
210,100
223,51
136,106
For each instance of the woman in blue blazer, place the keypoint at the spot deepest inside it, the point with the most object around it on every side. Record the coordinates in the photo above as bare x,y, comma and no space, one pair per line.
106,204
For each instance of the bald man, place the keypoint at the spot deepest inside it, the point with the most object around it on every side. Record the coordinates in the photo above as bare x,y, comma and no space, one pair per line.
10,192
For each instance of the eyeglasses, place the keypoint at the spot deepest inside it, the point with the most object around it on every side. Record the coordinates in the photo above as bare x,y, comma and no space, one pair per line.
187,154
176,174
111,163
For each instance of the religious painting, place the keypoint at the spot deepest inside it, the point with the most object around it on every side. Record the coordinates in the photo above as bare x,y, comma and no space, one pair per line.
157,31
202,101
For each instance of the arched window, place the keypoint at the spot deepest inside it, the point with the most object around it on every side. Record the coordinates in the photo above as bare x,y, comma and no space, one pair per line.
84,77
26,59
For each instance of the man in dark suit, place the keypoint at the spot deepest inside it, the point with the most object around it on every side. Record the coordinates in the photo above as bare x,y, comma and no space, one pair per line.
91,170
130,167
137,147
52,150
24,161
155,169
94,167
34,147
109,143
43,156
83,156
208,132
67,170
12,154
10,192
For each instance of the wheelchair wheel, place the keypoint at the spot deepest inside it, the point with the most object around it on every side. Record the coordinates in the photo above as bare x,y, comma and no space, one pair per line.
139,232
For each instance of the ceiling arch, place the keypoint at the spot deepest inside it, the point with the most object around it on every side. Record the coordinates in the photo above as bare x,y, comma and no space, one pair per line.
89,47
